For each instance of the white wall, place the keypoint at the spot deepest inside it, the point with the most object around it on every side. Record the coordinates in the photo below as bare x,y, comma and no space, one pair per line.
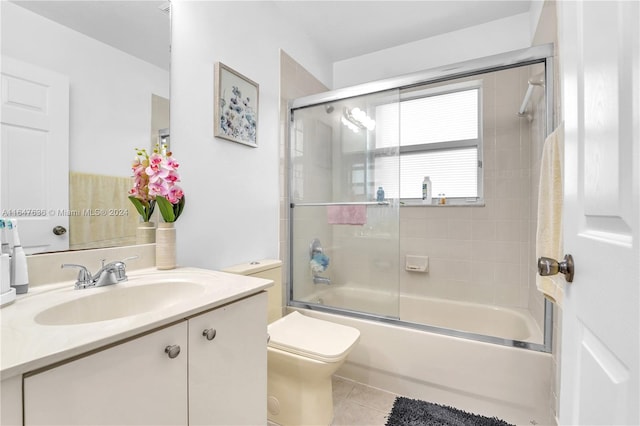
110,91
536,18
232,196
492,38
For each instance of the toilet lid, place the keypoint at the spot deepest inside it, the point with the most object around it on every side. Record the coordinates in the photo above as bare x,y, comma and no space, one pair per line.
311,337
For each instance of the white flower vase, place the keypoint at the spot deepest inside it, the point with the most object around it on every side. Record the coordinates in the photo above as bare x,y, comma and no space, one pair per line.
146,233
166,246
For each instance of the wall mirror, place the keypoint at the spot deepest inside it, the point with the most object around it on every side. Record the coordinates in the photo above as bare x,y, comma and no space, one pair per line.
115,56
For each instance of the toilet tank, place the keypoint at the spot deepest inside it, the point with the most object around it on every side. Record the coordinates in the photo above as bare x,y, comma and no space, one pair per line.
270,269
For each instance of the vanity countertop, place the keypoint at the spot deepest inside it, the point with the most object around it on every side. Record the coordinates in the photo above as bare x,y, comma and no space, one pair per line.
26,345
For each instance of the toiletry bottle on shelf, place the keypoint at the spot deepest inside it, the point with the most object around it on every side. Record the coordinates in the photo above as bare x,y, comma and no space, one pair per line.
426,190
380,195
443,199
19,273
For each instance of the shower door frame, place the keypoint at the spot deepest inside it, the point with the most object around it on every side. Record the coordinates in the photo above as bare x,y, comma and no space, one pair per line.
537,54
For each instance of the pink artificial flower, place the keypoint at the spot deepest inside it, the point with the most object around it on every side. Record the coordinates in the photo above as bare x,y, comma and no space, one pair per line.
173,176
155,159
171,162
158,188
175,194
138,169
156,175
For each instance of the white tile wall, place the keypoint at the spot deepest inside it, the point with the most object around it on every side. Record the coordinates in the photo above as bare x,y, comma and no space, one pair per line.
483,254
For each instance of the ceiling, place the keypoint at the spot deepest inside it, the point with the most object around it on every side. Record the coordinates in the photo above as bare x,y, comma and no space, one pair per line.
345,29
342,29
139,28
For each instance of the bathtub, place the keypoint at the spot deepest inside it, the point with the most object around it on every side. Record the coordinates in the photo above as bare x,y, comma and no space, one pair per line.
497,321
477,376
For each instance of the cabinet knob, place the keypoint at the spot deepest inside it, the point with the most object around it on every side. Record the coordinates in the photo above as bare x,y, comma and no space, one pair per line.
209,333
172,350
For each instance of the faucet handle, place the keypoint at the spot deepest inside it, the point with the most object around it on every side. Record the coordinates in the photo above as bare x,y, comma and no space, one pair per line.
84,276
120,271
119,268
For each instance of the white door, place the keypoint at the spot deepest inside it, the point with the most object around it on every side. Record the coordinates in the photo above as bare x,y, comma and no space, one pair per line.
599,63
34,154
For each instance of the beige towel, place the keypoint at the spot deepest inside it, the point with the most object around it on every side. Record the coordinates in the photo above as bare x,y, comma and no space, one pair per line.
103,215
550,198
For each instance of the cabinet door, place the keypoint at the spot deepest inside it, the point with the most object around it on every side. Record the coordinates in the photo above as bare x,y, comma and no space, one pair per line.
228,374
11,401
133,383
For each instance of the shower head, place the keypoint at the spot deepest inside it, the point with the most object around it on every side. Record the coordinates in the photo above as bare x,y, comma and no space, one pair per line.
328,109
536,80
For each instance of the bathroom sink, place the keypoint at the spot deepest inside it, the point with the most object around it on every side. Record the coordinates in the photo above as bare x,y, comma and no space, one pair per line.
118,302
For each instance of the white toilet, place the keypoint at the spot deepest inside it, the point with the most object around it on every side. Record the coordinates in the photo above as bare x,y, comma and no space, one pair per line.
302,355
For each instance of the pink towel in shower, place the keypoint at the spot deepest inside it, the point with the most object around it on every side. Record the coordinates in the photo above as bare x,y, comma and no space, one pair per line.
347,215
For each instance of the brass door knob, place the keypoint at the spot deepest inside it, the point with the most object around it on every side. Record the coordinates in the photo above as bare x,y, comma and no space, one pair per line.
59,230
547,266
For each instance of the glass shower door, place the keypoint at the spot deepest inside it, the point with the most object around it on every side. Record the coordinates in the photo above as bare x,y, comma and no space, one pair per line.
344,207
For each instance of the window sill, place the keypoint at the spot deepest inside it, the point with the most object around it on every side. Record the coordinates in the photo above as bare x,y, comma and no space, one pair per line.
449,203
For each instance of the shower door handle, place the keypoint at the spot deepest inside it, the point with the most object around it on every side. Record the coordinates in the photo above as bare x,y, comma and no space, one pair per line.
547,266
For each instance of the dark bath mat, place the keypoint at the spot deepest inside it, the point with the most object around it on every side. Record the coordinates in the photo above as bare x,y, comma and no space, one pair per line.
412,412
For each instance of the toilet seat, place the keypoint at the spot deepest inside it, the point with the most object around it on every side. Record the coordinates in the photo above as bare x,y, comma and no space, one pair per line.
311,337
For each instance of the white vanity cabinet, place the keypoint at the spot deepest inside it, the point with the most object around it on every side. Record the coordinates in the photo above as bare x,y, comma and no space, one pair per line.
218,378
228,364
132,383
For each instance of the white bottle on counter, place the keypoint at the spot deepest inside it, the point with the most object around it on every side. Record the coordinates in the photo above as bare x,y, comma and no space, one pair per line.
426,190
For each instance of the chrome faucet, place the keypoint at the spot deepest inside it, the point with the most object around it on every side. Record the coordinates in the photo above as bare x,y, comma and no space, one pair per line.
111,273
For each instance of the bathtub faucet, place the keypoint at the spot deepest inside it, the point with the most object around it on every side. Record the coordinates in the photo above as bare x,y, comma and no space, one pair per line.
321,280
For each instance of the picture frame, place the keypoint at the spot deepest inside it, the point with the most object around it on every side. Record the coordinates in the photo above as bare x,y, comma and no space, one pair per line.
235,106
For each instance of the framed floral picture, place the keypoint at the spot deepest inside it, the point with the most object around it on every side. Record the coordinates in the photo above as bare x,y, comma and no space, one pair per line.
235,106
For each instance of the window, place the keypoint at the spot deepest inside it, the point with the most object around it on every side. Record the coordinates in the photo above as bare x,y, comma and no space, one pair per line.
440,136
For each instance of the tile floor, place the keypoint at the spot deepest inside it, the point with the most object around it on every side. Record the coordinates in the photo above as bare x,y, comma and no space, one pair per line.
355,404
